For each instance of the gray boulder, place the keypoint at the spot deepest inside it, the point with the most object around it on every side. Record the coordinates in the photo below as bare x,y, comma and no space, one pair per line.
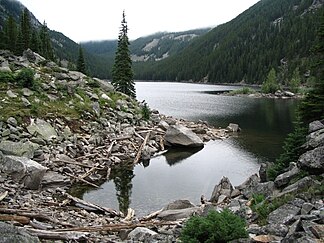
315,139
300,185
314,126
284,178
176,214
141,234
10,233
232,127
43,129
26,149
266,188
29,172
284,214
224,187
179,135
312,161
179,204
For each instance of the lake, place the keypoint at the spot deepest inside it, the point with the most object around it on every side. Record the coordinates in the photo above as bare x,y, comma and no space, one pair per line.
183,174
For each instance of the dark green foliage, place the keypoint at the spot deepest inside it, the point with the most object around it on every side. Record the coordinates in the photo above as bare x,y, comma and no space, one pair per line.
25,78
81,67
263,207
270,85
245,48
45,42
25,28
10,33
291,150
122,73
312,107
295,81
216,227
6,77
146,112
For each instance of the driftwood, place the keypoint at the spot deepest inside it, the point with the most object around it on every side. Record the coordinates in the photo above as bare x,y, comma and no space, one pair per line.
33,215
140,150
119,227
83,180
3,195
90,205
89,172
73,163
57,235
161,140
17,218
86,156
130,214
151,216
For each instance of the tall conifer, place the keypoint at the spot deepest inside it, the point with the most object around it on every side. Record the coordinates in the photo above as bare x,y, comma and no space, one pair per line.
122,72
81,67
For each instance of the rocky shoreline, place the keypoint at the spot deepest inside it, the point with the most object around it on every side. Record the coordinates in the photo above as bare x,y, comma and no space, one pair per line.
41,157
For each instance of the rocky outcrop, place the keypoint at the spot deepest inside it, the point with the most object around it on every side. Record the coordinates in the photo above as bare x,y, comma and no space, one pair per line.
313,161
10,233
24,170
179,135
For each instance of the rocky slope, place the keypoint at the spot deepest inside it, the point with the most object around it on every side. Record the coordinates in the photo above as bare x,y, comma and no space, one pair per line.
59,128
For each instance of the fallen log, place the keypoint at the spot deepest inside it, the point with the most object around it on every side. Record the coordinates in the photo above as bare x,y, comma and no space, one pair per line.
90,205
140,150
33,215
83,180
151,216
17,218
73,163
119,227
57,235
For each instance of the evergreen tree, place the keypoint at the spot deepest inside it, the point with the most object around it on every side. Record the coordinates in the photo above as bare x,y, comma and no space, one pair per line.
35,42
312,107
19,44
45,43
271,83
122,73
25,27
81,67
10,34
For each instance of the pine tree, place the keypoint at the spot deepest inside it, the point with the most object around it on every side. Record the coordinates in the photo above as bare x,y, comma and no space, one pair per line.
312,107
25,27
122,73
81,67
10,34
45,43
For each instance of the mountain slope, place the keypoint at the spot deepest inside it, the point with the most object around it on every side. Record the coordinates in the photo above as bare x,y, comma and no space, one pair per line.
246,47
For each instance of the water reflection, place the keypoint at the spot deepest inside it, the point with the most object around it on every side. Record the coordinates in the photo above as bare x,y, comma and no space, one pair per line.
122,177
177,155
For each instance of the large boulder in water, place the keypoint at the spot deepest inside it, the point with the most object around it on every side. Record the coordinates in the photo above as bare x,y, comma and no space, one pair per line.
178,135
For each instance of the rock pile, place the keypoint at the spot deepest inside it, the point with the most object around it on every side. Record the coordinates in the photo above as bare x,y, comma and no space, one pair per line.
42,154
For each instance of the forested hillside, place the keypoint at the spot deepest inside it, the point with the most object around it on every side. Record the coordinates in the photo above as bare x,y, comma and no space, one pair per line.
271,34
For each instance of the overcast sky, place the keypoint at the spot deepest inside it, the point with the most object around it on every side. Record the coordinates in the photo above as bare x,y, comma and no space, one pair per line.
84,20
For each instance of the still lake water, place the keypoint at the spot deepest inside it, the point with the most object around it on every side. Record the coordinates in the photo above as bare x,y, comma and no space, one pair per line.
189,174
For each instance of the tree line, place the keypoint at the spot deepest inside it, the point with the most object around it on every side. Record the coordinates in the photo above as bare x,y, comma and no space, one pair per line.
18,37
271,34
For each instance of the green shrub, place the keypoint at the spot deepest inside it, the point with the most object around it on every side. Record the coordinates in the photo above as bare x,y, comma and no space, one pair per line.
271,84
216,227
244,90
6,77
291,151
263,207
146,112
25,78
